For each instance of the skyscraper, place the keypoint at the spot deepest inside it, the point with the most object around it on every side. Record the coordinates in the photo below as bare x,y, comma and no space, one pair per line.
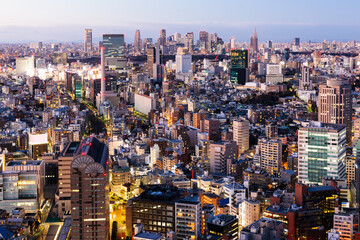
189,41
305,82
204,39
114,45
162,38
154,56
137,42
239,72
296,41
232,43
90,191
241,134
317,158
335,104
88,40
114,51
254,42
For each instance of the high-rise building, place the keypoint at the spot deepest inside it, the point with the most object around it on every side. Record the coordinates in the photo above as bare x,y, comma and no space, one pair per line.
316,157
296,41
232,43
162,38
154,56
137,42
274,74
335,104
212,128
271,155
204,39
21,189
38,145
239,72
189,41
64,168
183,62
155,207
254,42
221,155
188,218
88,40
114,51
241,134
90,191
305,81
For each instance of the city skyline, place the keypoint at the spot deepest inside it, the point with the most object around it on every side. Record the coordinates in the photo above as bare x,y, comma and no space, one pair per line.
275,21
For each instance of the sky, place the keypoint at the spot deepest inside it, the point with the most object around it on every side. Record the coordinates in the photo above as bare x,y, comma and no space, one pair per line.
24,21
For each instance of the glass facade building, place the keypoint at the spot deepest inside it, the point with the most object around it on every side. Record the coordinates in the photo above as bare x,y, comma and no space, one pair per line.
114,45
322,152
239,66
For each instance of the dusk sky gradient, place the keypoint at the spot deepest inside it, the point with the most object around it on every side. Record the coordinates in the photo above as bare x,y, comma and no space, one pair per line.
278,20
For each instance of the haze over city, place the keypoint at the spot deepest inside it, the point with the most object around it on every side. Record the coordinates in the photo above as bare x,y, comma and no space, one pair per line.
280,20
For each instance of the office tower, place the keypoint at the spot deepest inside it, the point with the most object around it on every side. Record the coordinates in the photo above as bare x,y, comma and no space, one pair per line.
177,37
335,104
232,43
114,51
249,212
241,134
162,38
212,128
305,82
21,189
90,190
317,158
183,62
274,74
137,42
189,41
296,41
239,72
254,42
188,218
155,207
64,168
270,44
221,155
154,56
204,39
38,145
88,40
25,66
271,155
223,225
271,129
